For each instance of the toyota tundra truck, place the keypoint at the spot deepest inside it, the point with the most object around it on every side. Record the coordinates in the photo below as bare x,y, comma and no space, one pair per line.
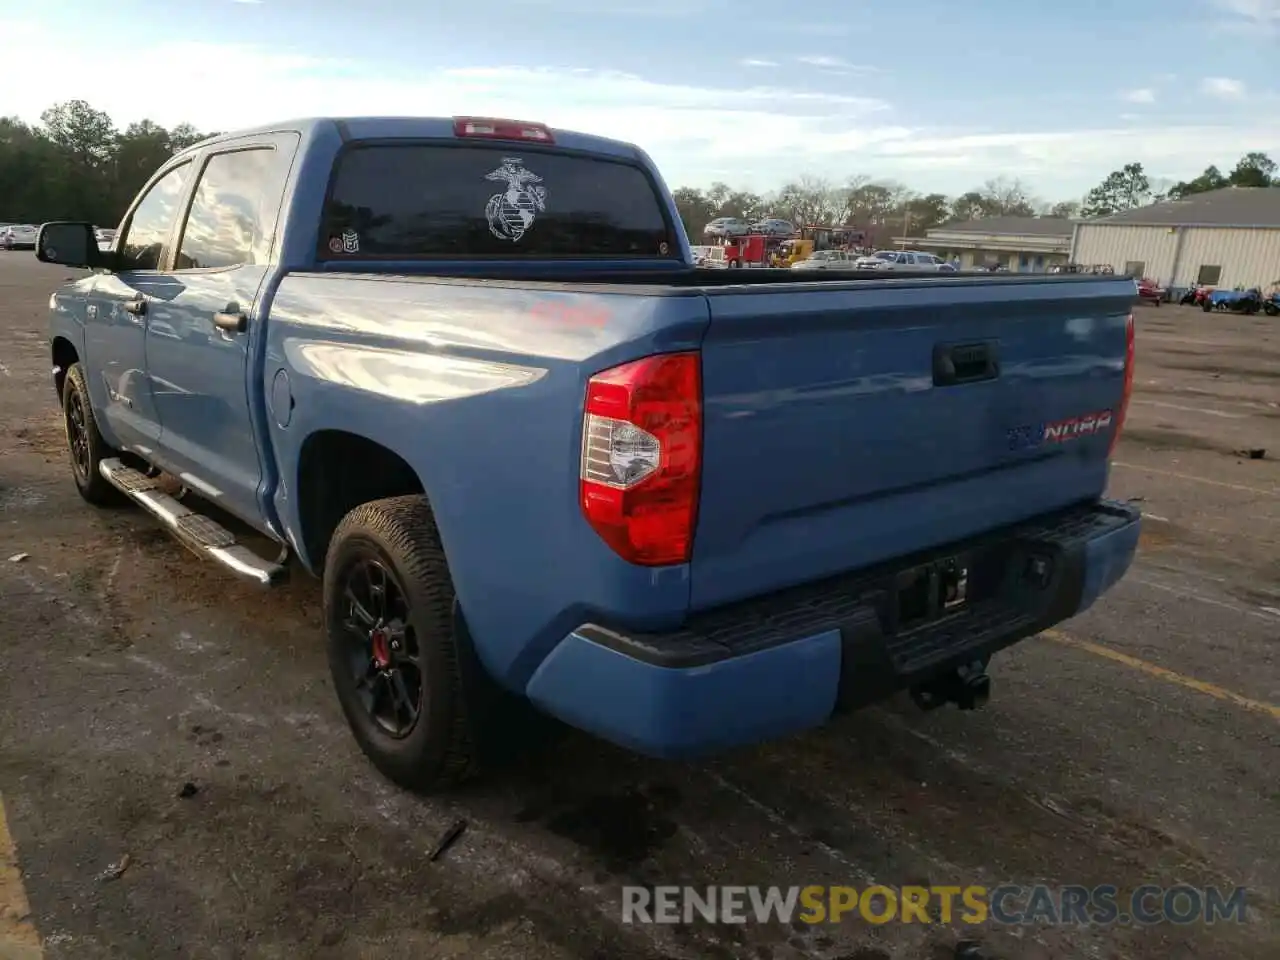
465,372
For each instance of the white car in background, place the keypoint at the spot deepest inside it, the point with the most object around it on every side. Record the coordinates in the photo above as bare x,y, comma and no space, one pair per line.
826,260
18,236
902,260
727,227
104,236
773,227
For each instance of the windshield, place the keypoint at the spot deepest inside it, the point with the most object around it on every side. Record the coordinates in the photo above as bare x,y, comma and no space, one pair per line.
429,200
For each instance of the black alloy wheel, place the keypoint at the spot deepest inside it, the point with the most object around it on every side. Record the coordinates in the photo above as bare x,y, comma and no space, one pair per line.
78,437
85,443
383,653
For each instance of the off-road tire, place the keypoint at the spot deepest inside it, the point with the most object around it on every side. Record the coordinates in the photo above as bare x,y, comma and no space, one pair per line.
91,484
401,532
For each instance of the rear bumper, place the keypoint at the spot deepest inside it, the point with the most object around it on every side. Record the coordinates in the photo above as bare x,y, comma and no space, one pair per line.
775,665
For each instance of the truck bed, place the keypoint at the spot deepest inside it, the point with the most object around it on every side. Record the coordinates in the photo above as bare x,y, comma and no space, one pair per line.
697,279
829,442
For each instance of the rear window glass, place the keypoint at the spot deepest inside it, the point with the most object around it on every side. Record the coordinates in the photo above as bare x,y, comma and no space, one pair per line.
405,201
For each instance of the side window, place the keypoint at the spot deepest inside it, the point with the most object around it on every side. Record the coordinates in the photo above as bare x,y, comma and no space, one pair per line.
232,214
149,226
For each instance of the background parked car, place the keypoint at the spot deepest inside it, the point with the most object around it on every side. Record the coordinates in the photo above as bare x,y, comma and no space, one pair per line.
18,236
727,227
901,260
825,260
104,236
772,227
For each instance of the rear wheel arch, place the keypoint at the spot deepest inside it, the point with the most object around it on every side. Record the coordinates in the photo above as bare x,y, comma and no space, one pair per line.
339,471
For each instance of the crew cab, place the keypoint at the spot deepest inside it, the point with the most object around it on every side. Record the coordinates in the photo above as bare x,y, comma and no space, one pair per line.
465,372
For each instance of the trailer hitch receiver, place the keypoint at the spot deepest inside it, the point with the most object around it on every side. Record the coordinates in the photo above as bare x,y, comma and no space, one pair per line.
968,687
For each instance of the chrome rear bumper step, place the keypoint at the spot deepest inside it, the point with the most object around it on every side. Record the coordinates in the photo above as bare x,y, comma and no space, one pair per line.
197,532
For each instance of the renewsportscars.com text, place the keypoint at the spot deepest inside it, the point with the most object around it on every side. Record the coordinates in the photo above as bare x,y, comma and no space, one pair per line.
1007,904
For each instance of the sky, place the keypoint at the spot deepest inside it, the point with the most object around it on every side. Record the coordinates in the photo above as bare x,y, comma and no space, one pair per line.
938,94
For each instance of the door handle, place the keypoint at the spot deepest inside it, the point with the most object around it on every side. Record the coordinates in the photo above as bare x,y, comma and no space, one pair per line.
231,319
136,306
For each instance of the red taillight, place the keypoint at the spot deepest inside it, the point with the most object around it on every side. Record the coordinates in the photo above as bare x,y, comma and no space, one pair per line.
641,457
490,128
1128,385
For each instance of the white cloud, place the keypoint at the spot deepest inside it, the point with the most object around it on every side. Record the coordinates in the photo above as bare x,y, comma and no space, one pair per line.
757,136
835,64
1141,95
1224,87
1257,17
1069,156
751,62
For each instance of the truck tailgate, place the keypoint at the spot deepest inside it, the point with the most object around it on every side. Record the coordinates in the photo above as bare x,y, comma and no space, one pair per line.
850,423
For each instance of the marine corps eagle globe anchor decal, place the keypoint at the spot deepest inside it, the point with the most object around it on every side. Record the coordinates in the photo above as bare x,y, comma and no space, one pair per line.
511,213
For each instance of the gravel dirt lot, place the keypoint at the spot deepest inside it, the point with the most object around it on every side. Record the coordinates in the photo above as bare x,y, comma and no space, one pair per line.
1137,744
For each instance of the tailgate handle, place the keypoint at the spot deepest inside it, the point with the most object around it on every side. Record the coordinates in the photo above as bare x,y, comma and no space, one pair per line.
958,363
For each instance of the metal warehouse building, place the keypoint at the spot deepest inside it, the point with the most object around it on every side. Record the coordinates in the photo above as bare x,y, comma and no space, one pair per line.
1224,238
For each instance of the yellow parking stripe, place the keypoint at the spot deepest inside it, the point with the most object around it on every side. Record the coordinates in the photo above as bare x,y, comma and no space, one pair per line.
1191,683
18,937
1187,476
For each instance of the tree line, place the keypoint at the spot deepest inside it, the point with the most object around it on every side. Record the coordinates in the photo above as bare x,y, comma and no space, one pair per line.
864,202
869,203
76,165
1130,186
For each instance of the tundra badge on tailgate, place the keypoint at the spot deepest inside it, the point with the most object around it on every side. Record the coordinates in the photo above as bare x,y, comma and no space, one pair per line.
1029,436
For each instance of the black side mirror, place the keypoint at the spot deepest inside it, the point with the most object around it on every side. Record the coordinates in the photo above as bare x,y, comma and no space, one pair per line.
69,244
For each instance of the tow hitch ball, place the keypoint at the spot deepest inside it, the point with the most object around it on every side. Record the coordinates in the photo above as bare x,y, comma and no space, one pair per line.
968,687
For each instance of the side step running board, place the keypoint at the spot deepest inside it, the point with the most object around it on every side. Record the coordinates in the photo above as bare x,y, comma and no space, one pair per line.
202,535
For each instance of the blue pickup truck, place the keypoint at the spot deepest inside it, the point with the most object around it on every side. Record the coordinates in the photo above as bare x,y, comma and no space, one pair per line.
465,371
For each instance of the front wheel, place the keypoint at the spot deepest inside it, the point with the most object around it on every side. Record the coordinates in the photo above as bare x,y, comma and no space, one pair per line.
394,651
85,443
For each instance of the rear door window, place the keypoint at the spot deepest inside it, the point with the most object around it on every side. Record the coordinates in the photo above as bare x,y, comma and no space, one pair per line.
405,201
230,220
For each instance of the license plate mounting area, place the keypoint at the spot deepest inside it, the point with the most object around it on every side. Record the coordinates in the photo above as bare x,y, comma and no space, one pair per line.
929,592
